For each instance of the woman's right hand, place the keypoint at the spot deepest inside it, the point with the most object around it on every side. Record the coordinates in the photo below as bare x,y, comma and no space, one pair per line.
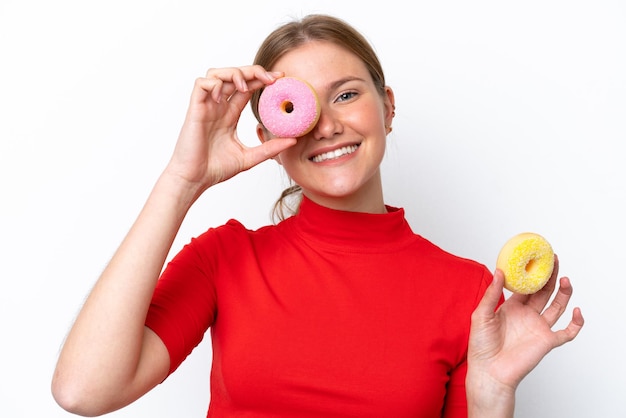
208,150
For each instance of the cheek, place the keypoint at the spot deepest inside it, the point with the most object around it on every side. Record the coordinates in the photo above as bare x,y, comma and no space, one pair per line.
289,157
371,118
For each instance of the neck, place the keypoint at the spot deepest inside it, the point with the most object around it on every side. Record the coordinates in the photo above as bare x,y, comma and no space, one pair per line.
368,199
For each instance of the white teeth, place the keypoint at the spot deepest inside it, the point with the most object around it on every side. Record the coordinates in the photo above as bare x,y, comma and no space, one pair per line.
334,154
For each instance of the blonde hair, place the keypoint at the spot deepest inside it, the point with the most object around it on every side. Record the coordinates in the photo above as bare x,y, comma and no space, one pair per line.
315,27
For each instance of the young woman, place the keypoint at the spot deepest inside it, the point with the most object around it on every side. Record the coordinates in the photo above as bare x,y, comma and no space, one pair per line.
339,310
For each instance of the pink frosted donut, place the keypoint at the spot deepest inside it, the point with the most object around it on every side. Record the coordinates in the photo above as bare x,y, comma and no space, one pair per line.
289,107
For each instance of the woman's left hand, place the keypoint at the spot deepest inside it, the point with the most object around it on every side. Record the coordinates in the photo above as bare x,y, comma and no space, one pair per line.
508,342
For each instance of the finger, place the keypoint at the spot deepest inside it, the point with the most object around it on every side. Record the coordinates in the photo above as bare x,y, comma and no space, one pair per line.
217,90
256,72
240,99
539,300
244,78
571,331
235,84
255,78
267,150
221,83
489,302
559,304
205,87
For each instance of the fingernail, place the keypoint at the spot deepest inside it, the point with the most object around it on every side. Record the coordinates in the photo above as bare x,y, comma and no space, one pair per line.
274,74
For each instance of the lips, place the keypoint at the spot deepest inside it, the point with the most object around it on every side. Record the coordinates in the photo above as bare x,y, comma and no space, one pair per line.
331,155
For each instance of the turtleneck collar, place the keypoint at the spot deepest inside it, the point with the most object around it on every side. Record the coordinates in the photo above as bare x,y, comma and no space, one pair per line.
351,231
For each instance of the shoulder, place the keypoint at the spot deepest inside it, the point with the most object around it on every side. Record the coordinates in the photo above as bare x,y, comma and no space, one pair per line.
233,232
437,252
453,266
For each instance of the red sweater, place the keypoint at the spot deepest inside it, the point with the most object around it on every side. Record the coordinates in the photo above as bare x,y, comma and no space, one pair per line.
327,314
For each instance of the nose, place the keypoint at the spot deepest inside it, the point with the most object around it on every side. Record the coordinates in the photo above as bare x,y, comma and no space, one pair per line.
327,126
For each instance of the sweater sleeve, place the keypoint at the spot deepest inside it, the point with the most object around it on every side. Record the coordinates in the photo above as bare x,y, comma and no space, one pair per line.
183,305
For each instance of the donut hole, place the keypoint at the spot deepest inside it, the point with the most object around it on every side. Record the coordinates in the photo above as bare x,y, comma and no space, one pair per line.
287,106
531,265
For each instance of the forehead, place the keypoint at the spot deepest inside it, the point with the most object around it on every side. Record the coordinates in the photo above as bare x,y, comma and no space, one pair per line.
320,62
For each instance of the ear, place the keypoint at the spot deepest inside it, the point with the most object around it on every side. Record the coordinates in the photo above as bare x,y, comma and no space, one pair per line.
390,107
264,135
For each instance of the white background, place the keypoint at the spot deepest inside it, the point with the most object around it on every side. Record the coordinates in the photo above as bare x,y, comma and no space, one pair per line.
511,116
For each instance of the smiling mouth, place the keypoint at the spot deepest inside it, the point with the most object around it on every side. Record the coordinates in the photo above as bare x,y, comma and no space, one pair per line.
331,155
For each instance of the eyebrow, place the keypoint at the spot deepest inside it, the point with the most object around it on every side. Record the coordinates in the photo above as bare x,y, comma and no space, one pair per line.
341,81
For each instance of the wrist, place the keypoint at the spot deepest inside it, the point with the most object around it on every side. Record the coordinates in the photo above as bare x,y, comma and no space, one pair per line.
488,398
178,188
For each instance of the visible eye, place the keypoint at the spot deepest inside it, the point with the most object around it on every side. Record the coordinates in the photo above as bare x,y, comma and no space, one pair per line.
346,96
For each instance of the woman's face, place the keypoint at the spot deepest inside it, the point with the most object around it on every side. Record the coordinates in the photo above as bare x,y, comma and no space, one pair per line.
353,120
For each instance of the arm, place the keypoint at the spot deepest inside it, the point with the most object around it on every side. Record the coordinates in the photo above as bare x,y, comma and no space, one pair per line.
109,358
507,343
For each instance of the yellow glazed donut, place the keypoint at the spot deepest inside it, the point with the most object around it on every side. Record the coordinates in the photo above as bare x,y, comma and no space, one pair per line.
527,261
